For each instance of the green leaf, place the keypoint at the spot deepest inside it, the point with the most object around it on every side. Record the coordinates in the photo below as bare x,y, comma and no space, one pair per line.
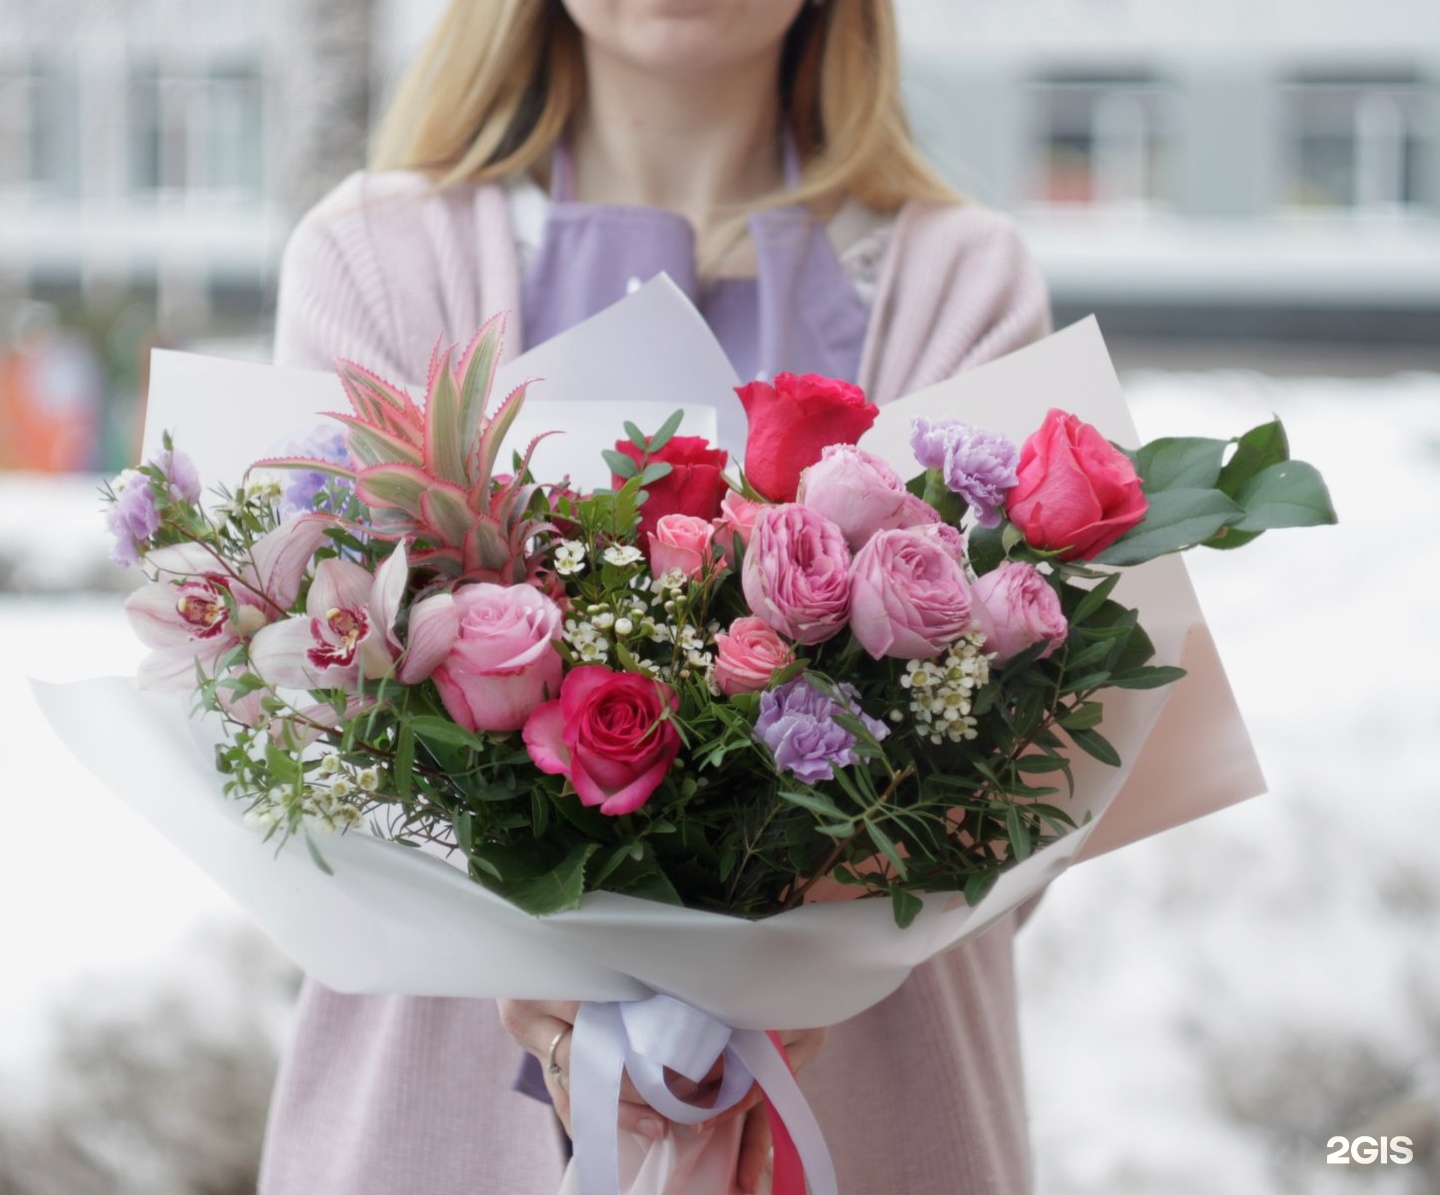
1085,716
636,436
667,431
1255,451
1147,678
442,730
817,803
1290,494
403,770
316,857
552,890
1093,743
1018,835
986,550
1041,763
887,848
654,471
906,906
1095,598
620,464
653,885
1179,462
1177,519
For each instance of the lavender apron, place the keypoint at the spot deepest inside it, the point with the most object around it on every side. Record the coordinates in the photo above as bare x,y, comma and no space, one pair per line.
799,314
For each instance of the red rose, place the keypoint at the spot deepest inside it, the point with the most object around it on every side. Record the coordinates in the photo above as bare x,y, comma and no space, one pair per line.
793,421
1076,490
608,733
694,486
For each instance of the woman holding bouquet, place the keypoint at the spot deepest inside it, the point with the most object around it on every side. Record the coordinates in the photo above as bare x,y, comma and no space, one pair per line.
542,157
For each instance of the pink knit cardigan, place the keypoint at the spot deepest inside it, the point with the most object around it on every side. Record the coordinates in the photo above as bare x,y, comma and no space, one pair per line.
398,1095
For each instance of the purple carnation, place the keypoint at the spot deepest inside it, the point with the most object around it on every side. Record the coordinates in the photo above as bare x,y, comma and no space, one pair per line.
797,722
976,464
133,518
180,471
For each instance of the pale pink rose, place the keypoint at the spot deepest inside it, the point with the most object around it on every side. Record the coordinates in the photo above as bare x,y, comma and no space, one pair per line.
909,597
796,574
860,494
503,662
680,542
1017,609
748,655
736,520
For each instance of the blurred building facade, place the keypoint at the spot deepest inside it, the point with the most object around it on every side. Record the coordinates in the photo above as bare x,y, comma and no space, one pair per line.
1251,168
1240,167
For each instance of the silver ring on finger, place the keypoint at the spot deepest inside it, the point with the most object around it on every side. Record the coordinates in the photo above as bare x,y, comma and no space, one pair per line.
553,1068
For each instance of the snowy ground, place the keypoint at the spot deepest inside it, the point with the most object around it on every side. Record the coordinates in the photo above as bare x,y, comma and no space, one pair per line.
1202,1011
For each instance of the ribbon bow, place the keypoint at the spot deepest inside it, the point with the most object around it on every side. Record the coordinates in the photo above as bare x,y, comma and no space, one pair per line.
644,1037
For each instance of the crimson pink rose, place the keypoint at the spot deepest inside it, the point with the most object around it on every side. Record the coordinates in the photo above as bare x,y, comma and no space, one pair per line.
796,573
1077,493
503,662
792,421
909,598
694,486
748,655
1017,609
609,734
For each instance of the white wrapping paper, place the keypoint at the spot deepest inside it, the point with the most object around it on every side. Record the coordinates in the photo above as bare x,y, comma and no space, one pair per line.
387,920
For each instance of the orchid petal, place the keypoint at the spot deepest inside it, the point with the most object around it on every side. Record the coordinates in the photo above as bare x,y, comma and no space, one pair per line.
279,653
434,627
281,557
387,592
338,585
172,669
184,560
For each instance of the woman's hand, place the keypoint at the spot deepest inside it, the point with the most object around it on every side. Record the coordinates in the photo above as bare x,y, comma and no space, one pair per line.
535,1024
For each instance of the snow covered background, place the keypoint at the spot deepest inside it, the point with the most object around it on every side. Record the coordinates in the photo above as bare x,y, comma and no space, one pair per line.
1202,1011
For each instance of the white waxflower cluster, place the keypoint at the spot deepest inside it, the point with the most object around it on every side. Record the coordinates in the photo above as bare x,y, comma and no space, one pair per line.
942,690
326,803
570,558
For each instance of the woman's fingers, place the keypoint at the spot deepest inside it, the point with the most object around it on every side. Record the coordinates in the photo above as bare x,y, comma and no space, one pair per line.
754,1150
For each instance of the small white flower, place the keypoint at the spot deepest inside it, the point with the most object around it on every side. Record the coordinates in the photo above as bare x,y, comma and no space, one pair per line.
622,555
369,780
623,627
605,620
330,765
570,557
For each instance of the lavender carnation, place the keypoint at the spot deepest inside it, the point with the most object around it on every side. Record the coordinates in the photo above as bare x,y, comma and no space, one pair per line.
797,723
134,517
978,465
304,492
180,471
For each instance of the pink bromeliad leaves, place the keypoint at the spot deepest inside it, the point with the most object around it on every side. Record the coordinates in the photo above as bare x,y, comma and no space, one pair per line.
428,472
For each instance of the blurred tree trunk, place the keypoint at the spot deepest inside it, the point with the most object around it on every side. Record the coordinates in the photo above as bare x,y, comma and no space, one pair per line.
327,95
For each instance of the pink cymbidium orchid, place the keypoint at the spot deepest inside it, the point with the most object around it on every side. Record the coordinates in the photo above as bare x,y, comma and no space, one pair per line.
198,608
347,634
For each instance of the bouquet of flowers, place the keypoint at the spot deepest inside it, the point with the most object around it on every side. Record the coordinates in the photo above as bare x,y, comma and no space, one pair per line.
809,679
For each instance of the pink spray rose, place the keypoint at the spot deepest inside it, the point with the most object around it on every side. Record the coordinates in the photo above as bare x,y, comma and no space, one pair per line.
736,520
908,594
1076,490
608,734
860,494
1017,609
796,574
680,542
748,655
503,662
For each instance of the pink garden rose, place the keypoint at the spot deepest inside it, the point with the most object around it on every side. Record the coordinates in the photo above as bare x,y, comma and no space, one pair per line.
680,542
909,597
860,494
748,655
1017,609
503,662
796,574
1076,490
609,734
736,520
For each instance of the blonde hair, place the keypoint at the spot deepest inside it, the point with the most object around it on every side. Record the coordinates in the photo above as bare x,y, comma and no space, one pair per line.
499,80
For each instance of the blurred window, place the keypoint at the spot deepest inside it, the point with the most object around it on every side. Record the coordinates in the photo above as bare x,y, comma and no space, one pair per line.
1355,143
1098,142
40,130
197,132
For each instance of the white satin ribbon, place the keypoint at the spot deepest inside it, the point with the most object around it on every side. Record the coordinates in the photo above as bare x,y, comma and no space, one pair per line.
646,1036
